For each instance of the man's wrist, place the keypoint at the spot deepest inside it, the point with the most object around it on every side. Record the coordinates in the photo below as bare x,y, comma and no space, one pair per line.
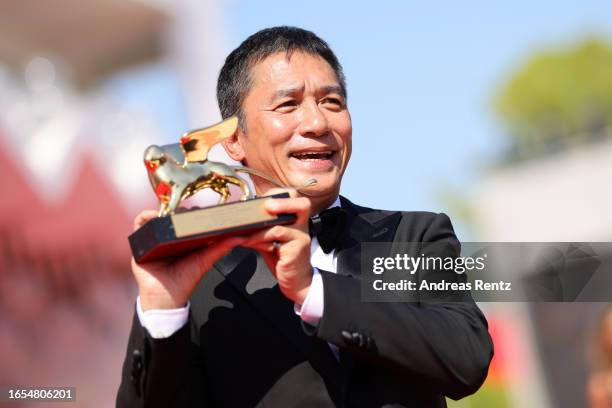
300,295
156,302
311,310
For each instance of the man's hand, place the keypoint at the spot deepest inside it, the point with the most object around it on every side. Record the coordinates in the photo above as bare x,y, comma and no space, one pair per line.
286,248
168,284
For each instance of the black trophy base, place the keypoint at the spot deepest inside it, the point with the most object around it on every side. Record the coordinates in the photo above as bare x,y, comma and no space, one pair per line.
176,234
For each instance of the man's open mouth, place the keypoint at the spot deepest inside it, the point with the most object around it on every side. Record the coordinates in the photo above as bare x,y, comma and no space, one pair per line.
323,155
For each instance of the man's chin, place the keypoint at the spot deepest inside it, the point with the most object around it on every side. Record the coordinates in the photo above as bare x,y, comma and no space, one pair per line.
322,188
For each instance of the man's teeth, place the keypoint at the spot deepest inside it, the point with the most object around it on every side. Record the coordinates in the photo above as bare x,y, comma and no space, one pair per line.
312,155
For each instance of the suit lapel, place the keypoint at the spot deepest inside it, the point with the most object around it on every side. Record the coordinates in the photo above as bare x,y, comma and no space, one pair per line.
364,225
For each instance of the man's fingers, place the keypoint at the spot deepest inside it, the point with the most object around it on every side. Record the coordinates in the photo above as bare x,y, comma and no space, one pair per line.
219,249
299,206
268,236
207,256
262,247
292,192
143,217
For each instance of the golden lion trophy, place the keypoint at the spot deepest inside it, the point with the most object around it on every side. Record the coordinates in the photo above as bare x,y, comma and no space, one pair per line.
177,172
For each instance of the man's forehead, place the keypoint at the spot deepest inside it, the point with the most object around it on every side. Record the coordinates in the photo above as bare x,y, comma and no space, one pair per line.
278,68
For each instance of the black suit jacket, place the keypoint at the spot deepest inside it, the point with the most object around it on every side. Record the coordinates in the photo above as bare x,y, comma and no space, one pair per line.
244,346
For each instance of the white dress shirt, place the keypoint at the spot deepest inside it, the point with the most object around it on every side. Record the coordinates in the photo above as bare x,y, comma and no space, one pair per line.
162,323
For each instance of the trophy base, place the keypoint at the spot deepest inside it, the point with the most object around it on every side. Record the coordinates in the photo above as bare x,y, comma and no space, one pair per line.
173,235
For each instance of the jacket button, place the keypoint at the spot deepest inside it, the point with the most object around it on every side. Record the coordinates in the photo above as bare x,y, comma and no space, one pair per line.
359,340
369,343
348,337
136,365
354,338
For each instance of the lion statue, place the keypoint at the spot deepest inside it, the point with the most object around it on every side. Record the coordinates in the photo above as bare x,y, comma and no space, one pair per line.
174,182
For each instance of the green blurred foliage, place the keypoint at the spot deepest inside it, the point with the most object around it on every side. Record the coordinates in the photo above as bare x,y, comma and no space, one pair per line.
486,397
558,99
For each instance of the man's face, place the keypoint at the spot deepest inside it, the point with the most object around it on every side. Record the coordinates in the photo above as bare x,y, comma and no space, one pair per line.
297,125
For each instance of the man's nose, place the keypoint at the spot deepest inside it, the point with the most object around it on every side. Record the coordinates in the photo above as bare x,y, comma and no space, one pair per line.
314,122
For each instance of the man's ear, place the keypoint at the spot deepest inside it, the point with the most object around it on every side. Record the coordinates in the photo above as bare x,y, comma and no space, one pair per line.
233,145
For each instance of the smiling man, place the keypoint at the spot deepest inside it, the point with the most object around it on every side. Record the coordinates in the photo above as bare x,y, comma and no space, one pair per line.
294,117
276,318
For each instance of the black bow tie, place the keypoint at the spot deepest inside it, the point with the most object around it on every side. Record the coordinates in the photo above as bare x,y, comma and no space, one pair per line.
328,227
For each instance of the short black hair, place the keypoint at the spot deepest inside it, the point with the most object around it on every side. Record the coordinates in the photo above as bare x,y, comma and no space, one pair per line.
234,79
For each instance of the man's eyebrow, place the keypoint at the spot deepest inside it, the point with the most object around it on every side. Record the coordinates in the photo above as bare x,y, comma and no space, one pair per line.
282,93
332,89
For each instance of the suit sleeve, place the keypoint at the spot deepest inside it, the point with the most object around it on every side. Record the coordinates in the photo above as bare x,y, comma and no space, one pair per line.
442,342
161,372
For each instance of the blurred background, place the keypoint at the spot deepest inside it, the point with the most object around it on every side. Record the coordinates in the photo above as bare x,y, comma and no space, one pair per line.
497,114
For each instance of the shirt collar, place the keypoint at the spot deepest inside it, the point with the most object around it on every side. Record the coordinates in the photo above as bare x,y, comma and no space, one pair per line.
336,203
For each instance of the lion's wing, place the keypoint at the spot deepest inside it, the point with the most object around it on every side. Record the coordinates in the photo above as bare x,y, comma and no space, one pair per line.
197,143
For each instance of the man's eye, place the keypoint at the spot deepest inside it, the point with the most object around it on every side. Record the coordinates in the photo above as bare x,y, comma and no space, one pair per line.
287,105
333,102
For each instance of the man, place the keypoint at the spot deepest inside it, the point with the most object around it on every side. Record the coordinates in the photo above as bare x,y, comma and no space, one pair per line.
276,318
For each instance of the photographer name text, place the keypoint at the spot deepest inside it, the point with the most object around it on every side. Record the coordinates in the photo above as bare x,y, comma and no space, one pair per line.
423,264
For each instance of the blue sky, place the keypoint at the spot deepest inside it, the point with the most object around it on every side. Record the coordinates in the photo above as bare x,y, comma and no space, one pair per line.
421,78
